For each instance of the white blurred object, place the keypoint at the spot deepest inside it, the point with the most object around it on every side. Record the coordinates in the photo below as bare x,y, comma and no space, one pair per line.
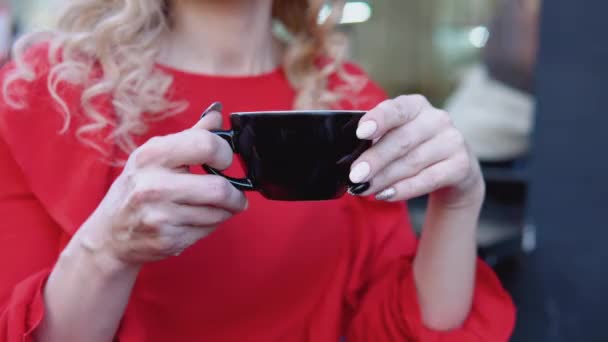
37,15
495,119
479,36
354,12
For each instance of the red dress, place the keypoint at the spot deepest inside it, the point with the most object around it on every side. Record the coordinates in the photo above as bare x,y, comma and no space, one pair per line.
281,271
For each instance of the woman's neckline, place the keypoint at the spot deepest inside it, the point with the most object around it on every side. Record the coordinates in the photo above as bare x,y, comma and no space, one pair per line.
197,75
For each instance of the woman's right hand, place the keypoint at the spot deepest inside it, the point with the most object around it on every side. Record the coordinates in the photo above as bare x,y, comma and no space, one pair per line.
156,208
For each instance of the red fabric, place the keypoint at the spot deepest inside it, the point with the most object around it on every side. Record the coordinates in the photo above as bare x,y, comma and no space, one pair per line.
281,271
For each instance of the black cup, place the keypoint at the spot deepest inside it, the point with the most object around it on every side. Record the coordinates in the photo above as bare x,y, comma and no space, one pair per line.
296,155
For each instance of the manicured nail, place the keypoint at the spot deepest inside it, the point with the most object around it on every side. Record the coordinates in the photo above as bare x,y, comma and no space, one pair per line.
358,189
367,129
215,106
360,172
386,194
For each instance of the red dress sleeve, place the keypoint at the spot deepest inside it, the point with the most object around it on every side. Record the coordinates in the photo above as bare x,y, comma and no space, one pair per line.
49,184
29,240
382,296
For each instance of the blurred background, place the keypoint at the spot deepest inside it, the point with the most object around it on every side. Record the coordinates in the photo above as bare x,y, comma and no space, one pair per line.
524,81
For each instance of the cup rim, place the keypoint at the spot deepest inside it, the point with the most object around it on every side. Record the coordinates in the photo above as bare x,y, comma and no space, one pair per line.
307,112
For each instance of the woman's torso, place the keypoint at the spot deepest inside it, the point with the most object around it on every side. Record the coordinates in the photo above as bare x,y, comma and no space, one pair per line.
281,271
275,272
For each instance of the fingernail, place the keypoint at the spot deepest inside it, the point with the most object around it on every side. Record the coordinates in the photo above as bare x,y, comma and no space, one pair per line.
386,194
215,106
367,129
358,189
360,172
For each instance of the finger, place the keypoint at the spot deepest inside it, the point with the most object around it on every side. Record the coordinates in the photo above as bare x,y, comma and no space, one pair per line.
175,239
211,118
168,241
396,144
390,114
156,216
420,158
429,180
200,190
190,147
151,189
197,216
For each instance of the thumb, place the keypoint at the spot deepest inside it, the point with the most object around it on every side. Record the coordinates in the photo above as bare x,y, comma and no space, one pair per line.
211,117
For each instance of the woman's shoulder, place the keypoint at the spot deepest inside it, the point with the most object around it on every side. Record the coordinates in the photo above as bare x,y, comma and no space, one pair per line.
65,175
38,56
25,81
26,102
37,87
357,87
31,64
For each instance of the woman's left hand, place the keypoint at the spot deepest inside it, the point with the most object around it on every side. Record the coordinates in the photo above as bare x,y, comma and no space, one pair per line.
416,151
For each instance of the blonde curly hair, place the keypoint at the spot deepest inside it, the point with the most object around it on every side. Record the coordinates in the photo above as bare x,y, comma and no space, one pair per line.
120,38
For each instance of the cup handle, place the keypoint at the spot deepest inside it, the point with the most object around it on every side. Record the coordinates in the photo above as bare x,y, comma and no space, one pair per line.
358,188
243,184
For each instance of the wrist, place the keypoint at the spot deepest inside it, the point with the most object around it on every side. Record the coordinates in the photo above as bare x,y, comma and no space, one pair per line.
467,194
105,260
458,198
92,242
97,266
454,208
